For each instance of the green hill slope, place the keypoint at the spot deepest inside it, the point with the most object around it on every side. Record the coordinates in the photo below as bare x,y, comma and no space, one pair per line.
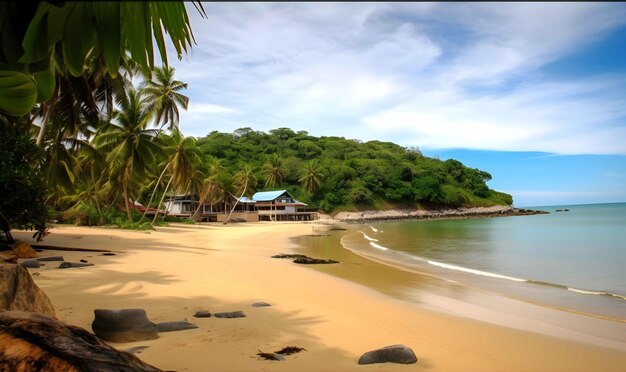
338,174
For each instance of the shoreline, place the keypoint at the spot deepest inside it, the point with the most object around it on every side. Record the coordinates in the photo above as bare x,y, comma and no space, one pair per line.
398,215
177,270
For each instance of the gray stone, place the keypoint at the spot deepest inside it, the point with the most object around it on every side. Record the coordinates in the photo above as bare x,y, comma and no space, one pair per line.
124,325
393,354
69,265
31,264
136,349
233,314
175,326
202,314
261,304
51,258
18,291
32,342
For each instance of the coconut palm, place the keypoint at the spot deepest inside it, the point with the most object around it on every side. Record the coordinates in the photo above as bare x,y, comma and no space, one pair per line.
164,92
244,180
273,171
183,159
131,148
311,176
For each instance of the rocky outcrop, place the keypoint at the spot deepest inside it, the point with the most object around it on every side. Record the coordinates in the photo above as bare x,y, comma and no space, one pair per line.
421,214
393,354
18,291
202,314
232,314
32,342
305,260
125,325
175,326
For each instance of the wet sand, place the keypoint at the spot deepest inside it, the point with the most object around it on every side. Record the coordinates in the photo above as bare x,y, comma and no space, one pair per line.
175,271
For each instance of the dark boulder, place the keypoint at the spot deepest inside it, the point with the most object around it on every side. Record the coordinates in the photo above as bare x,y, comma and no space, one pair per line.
18,291
32,342
125,325
290,256
69,265
31,264
202,314
313,261
393,354
51,258
233,314
175,326
260,304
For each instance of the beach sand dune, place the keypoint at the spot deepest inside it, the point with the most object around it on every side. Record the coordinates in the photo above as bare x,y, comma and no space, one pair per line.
178,270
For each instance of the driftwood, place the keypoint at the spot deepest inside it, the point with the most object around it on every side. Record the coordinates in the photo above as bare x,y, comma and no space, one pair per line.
32,342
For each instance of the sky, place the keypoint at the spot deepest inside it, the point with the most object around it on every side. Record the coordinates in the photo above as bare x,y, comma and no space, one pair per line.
533,93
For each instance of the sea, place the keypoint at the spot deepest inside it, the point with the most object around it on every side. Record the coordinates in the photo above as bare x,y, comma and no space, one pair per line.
571,260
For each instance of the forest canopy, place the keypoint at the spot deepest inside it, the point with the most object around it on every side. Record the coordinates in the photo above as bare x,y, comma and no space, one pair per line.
335,173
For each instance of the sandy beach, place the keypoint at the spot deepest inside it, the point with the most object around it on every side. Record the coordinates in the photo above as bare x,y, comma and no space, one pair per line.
177,270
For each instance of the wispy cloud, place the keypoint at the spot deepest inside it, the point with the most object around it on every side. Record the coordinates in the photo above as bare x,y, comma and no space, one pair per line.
435,75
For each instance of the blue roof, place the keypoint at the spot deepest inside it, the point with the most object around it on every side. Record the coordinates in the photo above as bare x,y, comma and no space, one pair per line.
268,195
245,199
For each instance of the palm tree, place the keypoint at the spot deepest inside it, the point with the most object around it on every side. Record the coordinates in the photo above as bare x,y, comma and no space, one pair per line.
273,171
212,191
311,176
164,92
130,147
184,157
244,180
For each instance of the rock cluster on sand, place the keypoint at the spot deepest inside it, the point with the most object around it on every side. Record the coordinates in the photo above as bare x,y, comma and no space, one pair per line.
125,325
393,354
202,314
175,326
232,314
306,260
32,342
18,291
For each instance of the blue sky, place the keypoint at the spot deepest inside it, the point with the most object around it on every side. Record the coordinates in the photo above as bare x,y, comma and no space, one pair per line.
534,93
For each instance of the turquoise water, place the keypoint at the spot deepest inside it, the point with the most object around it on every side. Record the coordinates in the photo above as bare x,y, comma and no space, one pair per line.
574,260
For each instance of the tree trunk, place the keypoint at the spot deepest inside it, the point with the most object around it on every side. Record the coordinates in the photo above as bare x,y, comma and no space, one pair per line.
125,194
195,214
42,129
154,191
234,206
156,214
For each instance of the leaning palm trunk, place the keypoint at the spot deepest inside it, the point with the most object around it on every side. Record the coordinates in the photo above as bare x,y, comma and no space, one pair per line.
195,214
156,214
125,194
154,192
234,206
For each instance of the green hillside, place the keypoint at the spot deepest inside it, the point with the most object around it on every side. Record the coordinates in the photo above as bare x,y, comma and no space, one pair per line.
338,174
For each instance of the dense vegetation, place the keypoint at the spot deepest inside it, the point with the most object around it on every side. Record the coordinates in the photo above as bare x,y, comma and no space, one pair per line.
334,173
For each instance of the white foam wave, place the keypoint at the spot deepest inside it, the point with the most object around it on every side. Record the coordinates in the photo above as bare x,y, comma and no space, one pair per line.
377,246
476,272
368,238
373,228
595,293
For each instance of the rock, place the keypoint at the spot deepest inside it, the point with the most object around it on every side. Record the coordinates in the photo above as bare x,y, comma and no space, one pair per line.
24,250
51,258
290,256
69,265
31,264
84,261
313,261
18,291
175,326
125,325
202,314
261,304
393,354
32,342
233,314
108,254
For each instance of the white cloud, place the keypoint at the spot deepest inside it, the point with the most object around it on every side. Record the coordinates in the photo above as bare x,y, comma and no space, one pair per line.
438,75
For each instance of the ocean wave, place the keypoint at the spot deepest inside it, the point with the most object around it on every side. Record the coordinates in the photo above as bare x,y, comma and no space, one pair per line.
377,246
368,238
401,257
373,228
476,272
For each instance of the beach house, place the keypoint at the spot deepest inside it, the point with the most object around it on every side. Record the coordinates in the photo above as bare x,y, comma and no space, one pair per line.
276,205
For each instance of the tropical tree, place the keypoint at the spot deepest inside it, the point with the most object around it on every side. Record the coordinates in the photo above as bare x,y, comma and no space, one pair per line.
311,176
273,171
131,148
244,180
183,158
163,90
